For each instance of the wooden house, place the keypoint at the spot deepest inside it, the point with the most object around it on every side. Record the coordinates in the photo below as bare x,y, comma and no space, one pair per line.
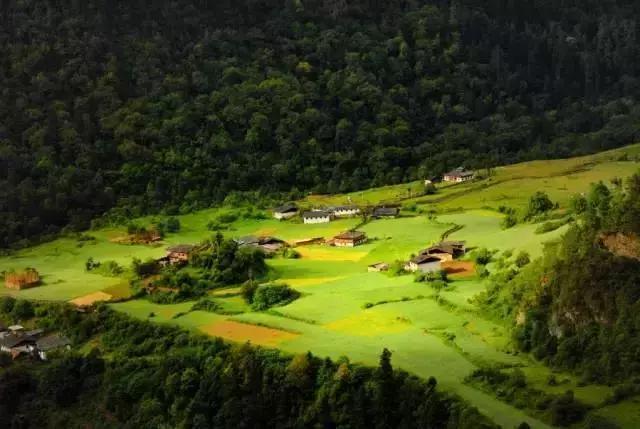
22,280
285,211
424,263
179,253
350,239
446,250
317,216
458,175
385,212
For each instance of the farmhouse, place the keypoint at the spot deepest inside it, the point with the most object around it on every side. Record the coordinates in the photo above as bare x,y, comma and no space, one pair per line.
377,267
50,343
317,216
266,244
458,175
424,263
285,211
385,212
446,250
22,280
350,239
179,253
345,211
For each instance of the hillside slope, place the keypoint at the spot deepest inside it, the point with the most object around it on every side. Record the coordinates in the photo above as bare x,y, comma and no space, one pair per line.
146,106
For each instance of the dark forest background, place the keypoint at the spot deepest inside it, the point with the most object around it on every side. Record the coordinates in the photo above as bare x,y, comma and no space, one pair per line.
130,107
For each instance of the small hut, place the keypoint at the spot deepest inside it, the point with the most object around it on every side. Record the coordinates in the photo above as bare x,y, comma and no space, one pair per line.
22,280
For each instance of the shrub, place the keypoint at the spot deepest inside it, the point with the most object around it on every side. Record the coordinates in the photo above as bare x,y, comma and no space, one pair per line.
539,203
290,253
173,224
509,221
482,256
247,290
205,304
268,296
522,259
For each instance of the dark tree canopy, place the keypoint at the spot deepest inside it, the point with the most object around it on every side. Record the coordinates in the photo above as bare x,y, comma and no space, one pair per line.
134,107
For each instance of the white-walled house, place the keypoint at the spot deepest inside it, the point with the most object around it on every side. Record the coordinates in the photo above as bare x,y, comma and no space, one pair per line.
317,216
285,211
424,263
346,211
458,175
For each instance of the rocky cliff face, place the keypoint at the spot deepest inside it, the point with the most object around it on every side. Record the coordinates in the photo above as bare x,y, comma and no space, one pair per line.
621,244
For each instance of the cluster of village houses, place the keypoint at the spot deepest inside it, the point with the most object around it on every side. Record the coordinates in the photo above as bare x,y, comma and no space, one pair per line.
427,260
325,215
18,341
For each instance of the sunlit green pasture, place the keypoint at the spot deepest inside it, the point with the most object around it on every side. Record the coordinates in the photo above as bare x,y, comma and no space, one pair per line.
344,310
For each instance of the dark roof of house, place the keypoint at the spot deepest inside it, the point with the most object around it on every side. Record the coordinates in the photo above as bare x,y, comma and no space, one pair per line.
459,172
450,247
347,207
52,342
34,333
248,240
252,240
285,208
11,341
424,259
2,327
181,248
315,214
350,235
386,211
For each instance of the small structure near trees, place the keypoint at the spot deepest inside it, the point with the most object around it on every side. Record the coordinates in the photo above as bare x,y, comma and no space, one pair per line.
285,211
458,175
179,254
385,212
317,216
19,280
349,239
424,263
345,211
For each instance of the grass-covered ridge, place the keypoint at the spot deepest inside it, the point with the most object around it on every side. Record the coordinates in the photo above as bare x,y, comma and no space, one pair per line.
345,310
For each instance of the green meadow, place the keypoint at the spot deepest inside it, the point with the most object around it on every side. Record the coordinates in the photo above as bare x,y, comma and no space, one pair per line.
344,310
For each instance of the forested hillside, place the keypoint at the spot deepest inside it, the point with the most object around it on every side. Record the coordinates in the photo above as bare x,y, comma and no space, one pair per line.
141,375
145,106
578,307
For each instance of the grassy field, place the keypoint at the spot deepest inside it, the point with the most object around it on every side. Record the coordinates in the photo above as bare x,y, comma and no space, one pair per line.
345,310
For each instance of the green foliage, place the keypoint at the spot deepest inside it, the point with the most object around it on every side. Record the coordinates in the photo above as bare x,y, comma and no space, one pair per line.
539,203
482,256
207,305
577,305
522,259
177,121
146,268
267,296
509,221
153,370
248,290
226,263
290,253
22,310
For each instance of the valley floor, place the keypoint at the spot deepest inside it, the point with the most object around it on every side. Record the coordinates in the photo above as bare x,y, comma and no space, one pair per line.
345,310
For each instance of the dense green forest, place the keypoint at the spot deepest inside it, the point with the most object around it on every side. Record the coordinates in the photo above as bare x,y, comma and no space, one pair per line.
134,106
135,374
578,307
